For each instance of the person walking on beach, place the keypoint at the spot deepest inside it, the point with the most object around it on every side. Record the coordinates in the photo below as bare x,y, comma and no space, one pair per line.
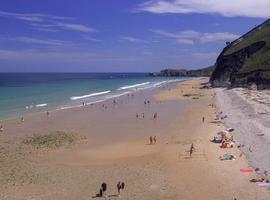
137,116
192,148
22,119
104,188
203,119
120,186
47,113
151,139
155,116
143,115
1,128
155,139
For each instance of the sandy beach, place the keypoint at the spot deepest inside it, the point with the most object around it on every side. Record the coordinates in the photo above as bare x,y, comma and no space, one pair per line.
107,143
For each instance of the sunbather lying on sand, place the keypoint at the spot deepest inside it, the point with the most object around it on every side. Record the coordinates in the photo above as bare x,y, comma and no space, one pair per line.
256,180
226,144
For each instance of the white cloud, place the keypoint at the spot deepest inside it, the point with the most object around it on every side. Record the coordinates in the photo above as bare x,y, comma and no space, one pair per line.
189,37
75,27
33,17
60,56
91,39
211,37
205,56
49,23
228,8
31,40
38,41
186,41
33,55
132,39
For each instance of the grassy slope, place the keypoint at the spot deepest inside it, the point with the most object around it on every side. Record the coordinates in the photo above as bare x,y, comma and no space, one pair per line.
259,60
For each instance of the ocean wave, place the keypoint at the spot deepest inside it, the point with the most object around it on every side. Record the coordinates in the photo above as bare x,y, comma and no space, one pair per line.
41,105
90,95
133,86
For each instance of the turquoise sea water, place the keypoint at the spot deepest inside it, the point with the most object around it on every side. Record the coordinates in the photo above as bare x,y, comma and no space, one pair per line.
22,93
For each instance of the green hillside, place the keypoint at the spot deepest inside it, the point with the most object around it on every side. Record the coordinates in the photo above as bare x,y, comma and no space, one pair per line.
259,60
245,60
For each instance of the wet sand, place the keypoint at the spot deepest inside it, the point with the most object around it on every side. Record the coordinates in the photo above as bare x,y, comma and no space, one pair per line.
117,149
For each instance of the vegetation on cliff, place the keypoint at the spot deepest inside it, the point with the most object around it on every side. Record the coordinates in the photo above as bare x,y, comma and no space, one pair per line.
246,60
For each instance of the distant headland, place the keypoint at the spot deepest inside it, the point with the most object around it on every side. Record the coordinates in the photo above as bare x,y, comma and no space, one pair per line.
203,72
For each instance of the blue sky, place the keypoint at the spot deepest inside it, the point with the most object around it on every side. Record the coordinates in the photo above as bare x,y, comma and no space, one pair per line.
120,35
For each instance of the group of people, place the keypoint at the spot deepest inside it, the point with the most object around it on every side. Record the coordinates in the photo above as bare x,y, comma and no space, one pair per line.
220,116
225,139
104,106
103,188
153,139
227,142
154,117
146,102
137,116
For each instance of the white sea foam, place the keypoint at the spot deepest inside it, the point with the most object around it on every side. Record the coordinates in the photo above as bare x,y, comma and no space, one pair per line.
41,105
90,95
141,86
133,86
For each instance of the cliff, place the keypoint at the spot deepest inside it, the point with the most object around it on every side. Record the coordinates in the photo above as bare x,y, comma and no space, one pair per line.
245,61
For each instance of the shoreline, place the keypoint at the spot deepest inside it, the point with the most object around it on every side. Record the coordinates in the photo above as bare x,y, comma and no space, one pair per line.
117,149
65,106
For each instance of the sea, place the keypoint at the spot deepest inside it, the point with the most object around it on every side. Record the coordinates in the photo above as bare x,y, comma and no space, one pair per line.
22,93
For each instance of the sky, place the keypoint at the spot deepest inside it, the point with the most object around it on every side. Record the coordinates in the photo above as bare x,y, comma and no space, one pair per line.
120,35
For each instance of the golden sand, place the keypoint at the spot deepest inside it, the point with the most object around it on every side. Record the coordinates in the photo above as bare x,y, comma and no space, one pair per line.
117,149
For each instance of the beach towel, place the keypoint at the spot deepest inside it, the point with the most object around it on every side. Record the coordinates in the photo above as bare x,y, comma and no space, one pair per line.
246,170
227,157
